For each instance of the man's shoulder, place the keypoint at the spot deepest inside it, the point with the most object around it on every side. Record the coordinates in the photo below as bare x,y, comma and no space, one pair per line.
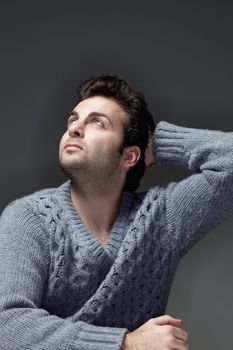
34,201
155,195
44,193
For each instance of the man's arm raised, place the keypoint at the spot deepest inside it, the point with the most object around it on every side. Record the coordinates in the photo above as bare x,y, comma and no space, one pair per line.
204,199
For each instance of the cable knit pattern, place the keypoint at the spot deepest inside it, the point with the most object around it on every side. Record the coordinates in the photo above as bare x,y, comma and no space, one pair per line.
59,288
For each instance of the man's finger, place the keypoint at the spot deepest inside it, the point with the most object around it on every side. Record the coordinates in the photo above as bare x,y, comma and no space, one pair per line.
181,345
181,334
165,320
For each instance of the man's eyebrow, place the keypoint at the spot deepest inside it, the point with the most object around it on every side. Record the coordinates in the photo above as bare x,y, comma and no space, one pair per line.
99,114
73,113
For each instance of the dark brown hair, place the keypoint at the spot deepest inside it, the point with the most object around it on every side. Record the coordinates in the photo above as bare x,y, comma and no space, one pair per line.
140,120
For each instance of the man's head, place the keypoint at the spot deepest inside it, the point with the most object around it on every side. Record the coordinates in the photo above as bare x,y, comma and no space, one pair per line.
137,125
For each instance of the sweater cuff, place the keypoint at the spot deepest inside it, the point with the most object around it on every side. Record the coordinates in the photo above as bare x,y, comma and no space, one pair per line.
100,338
169,140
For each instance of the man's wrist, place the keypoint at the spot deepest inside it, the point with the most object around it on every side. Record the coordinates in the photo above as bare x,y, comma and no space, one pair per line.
127,344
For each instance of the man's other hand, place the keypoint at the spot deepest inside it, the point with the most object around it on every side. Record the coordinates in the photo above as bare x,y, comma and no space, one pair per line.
149,158
160,333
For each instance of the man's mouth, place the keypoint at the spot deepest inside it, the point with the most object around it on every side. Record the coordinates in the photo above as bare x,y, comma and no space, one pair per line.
72,146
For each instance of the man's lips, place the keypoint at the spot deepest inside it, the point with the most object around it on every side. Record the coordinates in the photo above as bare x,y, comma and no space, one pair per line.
72,145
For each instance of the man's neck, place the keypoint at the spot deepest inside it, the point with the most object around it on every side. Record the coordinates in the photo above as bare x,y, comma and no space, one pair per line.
97,209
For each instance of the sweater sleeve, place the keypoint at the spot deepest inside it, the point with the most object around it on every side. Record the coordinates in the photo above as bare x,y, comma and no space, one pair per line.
198,203
24,263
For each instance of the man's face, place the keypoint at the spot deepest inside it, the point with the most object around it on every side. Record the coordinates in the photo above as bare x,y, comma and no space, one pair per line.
93,137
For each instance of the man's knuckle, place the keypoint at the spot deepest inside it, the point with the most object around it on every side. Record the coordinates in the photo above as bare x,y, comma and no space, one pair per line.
167,316
151,321
169,329
184,335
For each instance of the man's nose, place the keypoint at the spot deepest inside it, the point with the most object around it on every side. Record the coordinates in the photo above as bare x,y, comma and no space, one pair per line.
76,129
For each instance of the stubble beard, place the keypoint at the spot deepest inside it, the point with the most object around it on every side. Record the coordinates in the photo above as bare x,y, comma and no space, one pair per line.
99,176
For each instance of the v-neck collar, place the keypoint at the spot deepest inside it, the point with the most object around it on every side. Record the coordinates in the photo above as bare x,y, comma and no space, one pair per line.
84,237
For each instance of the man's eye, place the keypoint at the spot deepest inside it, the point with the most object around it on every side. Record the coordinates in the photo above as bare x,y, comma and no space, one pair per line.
71,120
97,122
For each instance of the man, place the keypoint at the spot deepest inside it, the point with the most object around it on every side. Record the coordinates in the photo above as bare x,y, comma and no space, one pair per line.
89,265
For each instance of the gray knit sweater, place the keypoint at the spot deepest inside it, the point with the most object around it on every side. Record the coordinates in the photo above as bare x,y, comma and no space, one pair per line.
60,289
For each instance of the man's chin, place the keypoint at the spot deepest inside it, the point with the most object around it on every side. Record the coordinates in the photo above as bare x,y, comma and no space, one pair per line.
69,169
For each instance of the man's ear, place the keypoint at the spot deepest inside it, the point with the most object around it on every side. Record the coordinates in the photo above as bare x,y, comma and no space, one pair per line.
130,156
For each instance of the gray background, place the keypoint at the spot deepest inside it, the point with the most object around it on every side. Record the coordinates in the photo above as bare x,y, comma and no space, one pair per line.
179,53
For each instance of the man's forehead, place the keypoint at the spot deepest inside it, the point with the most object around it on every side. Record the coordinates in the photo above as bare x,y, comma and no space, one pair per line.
100,104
